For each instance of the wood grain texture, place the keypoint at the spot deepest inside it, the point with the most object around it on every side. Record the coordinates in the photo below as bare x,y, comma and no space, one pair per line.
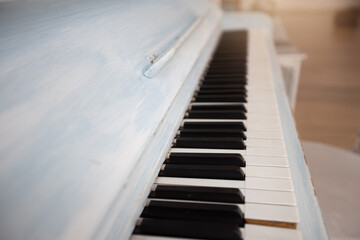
76,112
272,223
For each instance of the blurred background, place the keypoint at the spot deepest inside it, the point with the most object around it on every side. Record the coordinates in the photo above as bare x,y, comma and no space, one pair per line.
323,36
318,47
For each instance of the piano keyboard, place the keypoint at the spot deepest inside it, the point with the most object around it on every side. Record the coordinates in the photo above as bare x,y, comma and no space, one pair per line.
226,175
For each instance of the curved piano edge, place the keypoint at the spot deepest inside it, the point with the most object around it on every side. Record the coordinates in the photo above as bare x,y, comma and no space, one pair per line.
120,219
160,62
312,225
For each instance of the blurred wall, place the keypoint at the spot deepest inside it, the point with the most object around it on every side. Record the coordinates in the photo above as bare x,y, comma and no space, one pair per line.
289,4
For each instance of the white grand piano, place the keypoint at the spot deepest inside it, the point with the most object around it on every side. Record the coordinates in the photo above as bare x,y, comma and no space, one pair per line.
146,120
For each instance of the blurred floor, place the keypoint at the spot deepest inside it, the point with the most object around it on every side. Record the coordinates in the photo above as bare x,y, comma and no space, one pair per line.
338,196
328,102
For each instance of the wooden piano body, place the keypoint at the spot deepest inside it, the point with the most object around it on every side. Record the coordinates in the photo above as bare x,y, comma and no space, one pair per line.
92,94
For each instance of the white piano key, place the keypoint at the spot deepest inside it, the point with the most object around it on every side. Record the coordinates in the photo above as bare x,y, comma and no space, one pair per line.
267,172
205,150
266,161
266,91
276,184
259,213
264,101
257,196
251,134
257,232
269,197
266,151
261,97
260,94
273,215
262,126
249,232
257,115
257,83
263,118
267,87
262,213
258,125
255,142
200,182
251,107
256,108
259,87
250,151
214,120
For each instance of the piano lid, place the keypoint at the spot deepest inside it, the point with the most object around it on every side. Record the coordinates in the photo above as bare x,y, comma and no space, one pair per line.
77,111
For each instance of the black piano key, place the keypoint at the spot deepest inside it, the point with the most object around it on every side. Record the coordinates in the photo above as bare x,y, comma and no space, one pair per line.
217,143
232,60
214,125
233,133
229,64
231,52
241,78
223,81
216,114
212,79
220,57
224,91
194,211
202,171
232,159
226,86
221,98
223,86
188,229
238,71
238,65
240,57
225,48
207,194
239,106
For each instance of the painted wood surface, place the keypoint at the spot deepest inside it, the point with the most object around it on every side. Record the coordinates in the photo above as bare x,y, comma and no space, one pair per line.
77,113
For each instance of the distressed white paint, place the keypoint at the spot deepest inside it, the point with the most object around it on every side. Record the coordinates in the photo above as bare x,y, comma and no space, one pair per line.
76,112
160,61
